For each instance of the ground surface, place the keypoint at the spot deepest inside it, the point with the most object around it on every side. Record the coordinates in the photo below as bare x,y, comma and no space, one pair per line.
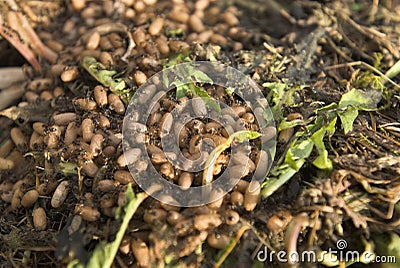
323,66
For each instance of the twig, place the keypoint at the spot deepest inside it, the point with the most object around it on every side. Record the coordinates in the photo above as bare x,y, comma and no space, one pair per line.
232,245
44,248
351,44
337,50
371,33
20,28
372,12
23,27
372,68
14,40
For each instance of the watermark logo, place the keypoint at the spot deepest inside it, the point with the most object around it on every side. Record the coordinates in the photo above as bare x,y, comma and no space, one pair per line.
330,257
165,116
341,244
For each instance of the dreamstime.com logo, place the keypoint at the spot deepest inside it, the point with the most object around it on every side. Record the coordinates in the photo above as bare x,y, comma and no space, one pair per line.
330,257
183,89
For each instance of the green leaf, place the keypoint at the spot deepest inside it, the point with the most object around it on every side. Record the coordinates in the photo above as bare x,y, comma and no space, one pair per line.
75,264
229,90
280,95
104,253
175,32
185,82
362,100
68,167
322,161
295,158
329,107
289,124
208,100
299,149
175,59
199,76
104,76
243,135
347,118
276,97
331,129
291,162
181,91
273,184
118,85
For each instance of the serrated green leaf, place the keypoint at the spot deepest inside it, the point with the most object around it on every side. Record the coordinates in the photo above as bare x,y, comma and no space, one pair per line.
280,95
243,135
200,76
301,148
105,77
347,118
322,161
298,150
362,100
185,82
